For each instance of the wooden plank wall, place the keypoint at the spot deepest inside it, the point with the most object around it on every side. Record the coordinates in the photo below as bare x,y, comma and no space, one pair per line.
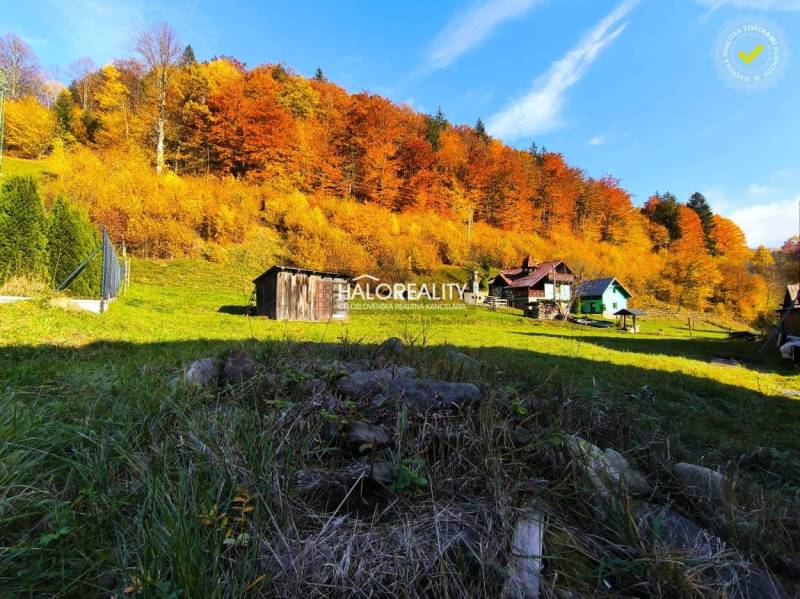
310,297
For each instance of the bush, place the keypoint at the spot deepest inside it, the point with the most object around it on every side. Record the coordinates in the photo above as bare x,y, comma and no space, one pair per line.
23,230
72,238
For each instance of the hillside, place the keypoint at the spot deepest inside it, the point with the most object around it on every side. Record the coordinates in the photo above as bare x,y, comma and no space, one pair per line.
189,158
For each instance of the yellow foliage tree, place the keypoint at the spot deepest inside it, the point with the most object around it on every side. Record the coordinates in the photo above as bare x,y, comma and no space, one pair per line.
30,128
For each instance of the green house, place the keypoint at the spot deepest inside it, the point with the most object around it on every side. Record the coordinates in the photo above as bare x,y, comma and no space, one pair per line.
601,296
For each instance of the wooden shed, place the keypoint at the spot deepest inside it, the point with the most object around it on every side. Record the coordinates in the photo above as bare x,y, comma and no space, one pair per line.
789,314
287,293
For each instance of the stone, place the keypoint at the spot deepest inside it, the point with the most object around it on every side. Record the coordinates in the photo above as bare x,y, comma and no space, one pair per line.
393,346
203,373
606,470
705,484
524,566
520,437
364,438
675,532
428,394
366,383
356,486
239,367
462,360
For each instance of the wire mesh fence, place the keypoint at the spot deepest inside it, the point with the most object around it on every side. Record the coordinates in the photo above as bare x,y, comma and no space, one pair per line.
115,271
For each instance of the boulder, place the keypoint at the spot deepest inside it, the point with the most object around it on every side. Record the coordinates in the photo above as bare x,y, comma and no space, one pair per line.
393,346
239,367
203,373
705,484
524,566
360,384
364,438
520,437
606,470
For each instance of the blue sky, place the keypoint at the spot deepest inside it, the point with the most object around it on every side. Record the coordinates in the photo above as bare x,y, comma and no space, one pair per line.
624,87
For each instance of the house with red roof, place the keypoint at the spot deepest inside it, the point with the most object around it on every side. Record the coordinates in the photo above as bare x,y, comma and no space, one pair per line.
532,284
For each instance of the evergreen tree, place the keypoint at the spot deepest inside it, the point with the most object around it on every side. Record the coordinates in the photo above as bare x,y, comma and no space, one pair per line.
698,203
23,229
434,125
71,238
318,75
188,57
664,209
480,130
63,108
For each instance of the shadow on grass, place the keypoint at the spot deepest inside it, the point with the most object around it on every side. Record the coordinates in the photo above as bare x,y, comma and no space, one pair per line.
746,352
235,310
706,413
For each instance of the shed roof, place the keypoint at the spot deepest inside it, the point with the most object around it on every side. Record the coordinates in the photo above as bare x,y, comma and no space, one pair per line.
597,287
630,312
302,271
541,272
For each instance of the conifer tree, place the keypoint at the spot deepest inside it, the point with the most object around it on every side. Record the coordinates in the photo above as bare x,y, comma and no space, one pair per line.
71,239
698,203
23,230
480,130
63,108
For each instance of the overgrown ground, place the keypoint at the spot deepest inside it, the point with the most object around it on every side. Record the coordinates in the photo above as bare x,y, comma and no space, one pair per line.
110,480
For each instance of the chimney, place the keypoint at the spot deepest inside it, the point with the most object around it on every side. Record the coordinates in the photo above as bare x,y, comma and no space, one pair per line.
475,286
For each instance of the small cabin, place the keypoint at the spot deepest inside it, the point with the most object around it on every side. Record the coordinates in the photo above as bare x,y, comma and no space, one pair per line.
288,293
601,296
789,314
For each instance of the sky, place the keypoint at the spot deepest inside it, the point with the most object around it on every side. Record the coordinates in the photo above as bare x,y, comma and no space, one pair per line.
621,87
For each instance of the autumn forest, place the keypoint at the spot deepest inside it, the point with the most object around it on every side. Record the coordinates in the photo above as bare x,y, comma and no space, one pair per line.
180,157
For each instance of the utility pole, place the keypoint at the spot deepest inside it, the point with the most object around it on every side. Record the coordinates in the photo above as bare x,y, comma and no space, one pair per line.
2,114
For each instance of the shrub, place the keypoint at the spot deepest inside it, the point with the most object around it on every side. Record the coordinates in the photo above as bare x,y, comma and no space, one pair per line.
71,238
23,230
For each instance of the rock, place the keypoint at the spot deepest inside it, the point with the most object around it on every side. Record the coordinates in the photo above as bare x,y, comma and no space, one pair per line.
525,562
606,470
703,483
646,393
741,579
239,367
359,485
463,360
365,383
428,394
675,532
203,373
520,437
393,346
364,438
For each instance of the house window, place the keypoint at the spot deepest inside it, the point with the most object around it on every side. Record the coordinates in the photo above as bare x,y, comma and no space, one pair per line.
615,305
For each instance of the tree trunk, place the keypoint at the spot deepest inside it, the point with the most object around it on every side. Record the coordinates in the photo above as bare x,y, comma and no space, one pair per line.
160,125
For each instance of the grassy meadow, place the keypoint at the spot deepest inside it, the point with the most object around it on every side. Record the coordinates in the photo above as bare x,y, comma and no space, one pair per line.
108,474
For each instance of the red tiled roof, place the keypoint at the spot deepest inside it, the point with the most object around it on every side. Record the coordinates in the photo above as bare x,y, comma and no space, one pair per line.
541,272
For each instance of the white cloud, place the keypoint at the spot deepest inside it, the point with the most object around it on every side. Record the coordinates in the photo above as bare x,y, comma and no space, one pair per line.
768,224
468,29
540,110
762,5
758,190
597,140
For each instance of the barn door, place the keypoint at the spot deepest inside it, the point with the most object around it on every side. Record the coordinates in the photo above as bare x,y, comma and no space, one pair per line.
324,299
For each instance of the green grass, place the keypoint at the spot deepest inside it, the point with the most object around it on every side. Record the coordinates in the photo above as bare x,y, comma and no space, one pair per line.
24,167
105,472
179,309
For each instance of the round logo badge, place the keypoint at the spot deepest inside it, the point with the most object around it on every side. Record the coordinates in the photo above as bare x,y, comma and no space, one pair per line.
751,53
